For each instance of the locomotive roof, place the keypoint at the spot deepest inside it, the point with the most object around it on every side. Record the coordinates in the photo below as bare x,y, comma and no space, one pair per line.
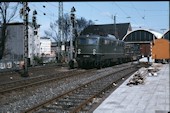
110,37
104,29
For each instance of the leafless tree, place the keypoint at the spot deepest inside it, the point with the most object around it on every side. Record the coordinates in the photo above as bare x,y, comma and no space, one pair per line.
81,23
7,14
53,32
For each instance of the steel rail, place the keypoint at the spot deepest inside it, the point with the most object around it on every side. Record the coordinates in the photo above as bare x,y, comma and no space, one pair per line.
61,75
68,93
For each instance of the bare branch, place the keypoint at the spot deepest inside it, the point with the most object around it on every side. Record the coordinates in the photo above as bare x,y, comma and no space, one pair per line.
81,24
49,34
6,15
13,12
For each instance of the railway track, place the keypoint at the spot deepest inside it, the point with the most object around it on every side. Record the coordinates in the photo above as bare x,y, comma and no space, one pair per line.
28,82
30,69
83,97
20,84
7,77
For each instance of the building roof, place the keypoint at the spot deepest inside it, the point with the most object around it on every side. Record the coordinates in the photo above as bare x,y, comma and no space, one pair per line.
53,44
15,23
21,23
166,35
156,34
104,29
44,38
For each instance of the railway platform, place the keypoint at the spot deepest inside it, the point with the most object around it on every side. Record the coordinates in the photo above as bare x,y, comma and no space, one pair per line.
151,97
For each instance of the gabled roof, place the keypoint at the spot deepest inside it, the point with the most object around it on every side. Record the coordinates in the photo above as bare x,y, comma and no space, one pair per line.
104,29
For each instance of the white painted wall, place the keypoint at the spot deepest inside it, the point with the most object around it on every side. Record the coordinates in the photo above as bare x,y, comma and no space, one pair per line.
45,46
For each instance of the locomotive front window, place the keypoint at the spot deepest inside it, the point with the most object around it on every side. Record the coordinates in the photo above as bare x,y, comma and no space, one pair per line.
81,41
89,41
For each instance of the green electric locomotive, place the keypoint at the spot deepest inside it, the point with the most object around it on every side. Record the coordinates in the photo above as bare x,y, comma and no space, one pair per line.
99,51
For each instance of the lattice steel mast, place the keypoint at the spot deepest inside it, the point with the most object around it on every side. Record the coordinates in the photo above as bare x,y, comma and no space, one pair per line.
24,12
60,31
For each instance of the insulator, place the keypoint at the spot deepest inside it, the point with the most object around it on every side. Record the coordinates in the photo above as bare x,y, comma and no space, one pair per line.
28,9
72,16
34,12
35,32
73,9
21,11
33,19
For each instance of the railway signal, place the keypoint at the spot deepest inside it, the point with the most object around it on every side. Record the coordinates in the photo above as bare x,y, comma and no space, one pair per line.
34,18
72,61
72,18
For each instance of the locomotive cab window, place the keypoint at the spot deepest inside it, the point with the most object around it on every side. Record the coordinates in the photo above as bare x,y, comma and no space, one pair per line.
87,41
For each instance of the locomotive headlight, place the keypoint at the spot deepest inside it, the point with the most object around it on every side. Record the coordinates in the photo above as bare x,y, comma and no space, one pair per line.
79,51
94,51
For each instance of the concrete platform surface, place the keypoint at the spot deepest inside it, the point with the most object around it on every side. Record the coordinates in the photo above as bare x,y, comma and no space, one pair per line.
150,97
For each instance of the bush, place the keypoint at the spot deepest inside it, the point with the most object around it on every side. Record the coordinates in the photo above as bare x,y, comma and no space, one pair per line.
38,60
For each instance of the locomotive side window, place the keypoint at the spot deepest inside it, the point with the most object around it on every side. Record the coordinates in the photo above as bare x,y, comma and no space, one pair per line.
106,42
111,42
92,41
114,43
117,43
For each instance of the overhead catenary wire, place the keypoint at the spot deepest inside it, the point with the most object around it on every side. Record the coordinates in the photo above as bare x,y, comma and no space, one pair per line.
43,12
140,16
124,12
50,14
98,10
67,11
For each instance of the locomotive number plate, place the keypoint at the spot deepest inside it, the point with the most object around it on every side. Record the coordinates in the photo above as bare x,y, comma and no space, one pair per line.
86,56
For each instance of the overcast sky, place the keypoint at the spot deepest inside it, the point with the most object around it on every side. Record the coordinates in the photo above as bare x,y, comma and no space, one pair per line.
150,15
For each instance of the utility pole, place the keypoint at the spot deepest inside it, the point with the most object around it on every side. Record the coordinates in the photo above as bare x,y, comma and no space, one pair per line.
24,12
115,26
115,31
60,32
